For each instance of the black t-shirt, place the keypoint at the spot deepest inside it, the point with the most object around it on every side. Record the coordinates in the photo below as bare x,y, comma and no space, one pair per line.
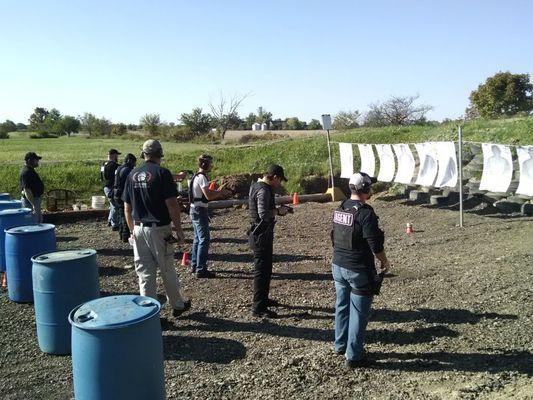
361,257
30,179
121,174
147,188
107,173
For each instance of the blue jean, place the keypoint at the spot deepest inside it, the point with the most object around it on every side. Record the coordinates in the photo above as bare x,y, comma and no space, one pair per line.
36,208
112,218
202,238
351,313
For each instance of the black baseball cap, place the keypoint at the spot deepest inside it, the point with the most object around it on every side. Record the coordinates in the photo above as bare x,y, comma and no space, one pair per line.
277,170
114,151
31,156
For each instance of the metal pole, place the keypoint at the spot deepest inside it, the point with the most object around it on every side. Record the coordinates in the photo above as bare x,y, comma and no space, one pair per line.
330,162
460,176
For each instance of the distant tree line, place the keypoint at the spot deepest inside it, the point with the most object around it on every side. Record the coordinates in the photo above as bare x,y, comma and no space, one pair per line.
502,95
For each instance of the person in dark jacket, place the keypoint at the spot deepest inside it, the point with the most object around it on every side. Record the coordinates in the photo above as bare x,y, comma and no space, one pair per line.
32,186
357,239
121,175
107,176
263,213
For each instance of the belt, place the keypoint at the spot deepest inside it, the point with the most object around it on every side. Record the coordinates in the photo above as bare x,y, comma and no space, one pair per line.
150,224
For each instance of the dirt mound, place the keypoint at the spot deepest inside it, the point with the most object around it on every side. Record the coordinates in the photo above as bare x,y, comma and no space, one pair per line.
238,184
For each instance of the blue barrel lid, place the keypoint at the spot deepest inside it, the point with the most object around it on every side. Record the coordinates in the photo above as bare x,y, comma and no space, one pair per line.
58,256
114,312
14,211
7,201
28,229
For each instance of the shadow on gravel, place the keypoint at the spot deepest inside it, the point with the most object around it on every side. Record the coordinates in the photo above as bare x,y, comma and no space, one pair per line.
519,361
293,276
116,252
418,336
112,271
444,316
247,257
229,240
208,350
67,238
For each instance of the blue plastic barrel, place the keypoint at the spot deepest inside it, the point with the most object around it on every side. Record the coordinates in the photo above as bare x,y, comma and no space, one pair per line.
22,243
9,219
9,204
62,280
117,349
5,196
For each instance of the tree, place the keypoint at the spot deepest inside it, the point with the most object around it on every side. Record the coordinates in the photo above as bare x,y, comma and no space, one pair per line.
119,129
37,118
504,94
67,125
314,125
6,127
263,117
21,127
293,124
197,122
398,110
250,120
225,112
346,120
51,122
95,126
151,122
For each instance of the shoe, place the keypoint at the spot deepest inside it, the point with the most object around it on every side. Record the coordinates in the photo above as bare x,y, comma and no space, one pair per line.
108,223
362,363
265,314
186,307
115,228
272,303
205,274
340,352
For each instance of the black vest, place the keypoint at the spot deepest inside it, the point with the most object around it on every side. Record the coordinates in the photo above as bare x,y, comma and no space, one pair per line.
107,173
252,200
192,199
346,232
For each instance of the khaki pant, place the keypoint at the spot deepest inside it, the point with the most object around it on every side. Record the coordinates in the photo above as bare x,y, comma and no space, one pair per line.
151,251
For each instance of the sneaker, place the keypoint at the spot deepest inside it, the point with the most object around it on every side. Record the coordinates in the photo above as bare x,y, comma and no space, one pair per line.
265,314
340,352
205,274
362,363
186,307
272,303
115,228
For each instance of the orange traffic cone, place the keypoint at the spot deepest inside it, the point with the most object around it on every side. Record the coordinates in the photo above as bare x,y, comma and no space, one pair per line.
184,259
295,199
409,228
4,281
212,185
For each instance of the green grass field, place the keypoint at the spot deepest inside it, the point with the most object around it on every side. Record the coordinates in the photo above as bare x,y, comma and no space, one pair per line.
73,163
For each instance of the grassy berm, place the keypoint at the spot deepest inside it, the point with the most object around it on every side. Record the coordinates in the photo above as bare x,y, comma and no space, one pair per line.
73,163
454,319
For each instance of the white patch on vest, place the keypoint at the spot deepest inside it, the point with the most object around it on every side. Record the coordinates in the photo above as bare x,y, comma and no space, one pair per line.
343,218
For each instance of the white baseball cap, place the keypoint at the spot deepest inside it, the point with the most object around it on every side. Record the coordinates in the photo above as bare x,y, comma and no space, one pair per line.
361,181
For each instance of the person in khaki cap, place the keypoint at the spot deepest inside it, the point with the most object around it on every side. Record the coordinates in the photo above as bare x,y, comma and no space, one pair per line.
150,205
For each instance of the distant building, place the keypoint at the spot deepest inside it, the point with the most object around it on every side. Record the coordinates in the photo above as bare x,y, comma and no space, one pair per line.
264,126
256,127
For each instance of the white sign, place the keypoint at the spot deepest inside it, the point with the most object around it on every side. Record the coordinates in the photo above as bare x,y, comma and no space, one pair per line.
346,153
326,121
406,163
368,161
525,161
497,168
428,164
386,162
447,176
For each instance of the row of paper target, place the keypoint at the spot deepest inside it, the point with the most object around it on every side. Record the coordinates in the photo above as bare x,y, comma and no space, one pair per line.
438,164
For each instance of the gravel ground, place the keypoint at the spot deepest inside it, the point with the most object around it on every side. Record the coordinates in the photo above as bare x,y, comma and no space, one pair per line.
453,321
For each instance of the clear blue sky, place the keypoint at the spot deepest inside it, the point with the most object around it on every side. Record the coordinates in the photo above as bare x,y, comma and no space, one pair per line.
122,59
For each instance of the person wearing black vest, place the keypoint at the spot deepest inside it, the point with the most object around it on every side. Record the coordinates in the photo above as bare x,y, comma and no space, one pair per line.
121,175
32,186
107,176
263,211
150,206
199,197
357,239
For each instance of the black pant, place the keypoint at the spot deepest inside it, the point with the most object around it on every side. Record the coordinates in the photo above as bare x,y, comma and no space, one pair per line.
123,229
262,247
